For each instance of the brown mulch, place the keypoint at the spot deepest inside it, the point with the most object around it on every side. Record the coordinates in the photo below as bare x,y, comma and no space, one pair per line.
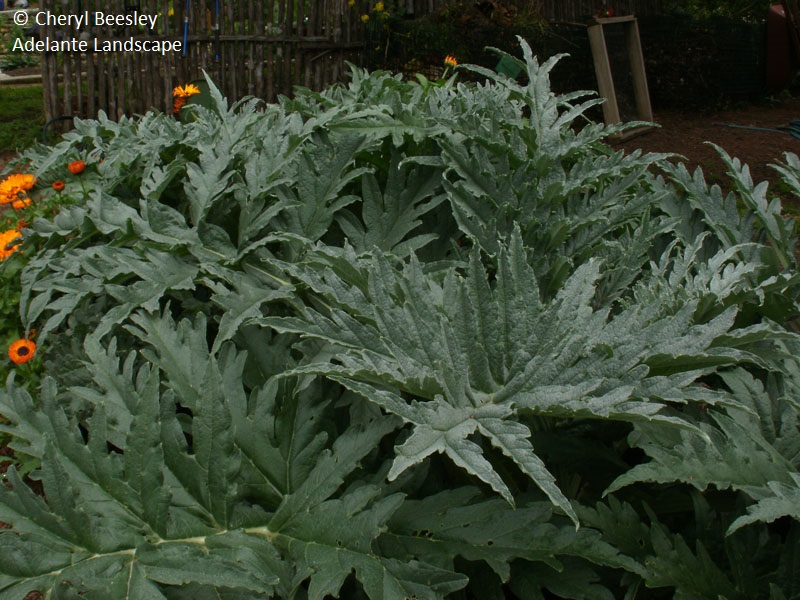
686,133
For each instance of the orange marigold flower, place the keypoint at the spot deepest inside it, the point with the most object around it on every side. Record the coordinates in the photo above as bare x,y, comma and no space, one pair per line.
450,61
21,351
187,90
21,181
21,203
76,167
14,185
58,185
6,239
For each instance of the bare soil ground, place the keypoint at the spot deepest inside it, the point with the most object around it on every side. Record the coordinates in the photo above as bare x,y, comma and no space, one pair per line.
686,133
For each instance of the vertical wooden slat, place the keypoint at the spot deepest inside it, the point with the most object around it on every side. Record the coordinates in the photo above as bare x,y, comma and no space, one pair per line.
125,71
270,66
288,56
102,96
166,71
269,62
181,13
132,98
91,84
602,67
66,94
199,50
250,48
300,29
119,75
227,55
259,90
640,90
146,76
75,59
52,109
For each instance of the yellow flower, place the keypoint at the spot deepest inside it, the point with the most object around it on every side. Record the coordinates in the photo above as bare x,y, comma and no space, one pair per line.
6,238
364,18
351,3
450,61
187,90
378,7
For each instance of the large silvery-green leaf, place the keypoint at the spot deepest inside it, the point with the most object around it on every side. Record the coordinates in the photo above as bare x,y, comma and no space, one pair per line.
724,456
666,559
460,522
391,214
214,498
751,445
462,355
133,279
325,169
775,500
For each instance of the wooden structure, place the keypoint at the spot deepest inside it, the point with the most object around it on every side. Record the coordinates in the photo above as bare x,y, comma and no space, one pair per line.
248,47
605,79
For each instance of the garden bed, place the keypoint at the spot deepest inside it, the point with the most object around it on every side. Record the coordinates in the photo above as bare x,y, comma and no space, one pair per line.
397,340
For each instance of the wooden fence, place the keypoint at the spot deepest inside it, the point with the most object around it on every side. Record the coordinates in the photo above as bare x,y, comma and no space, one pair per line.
249,47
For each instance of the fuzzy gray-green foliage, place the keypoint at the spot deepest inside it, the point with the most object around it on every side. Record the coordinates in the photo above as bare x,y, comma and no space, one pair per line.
405,340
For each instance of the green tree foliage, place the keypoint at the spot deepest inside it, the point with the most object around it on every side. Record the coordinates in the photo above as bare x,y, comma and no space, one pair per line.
405,340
